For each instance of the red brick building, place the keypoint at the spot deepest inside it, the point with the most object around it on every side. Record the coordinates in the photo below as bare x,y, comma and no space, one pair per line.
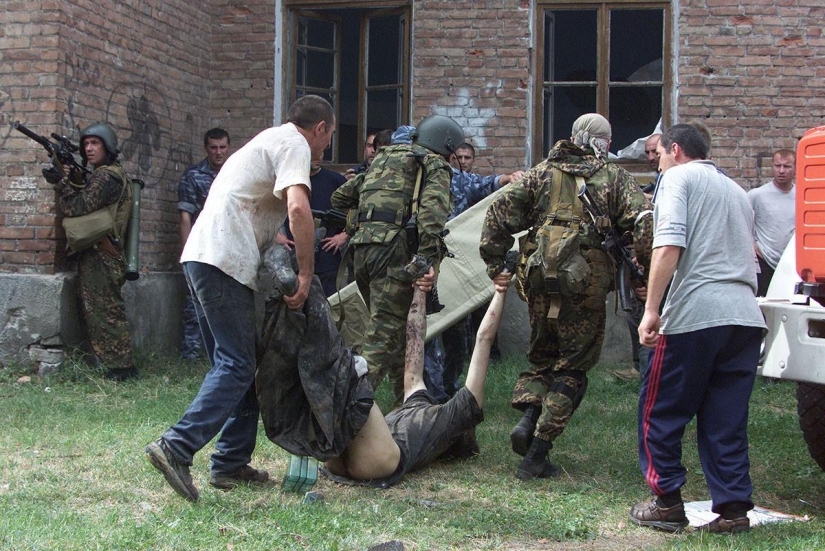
513,73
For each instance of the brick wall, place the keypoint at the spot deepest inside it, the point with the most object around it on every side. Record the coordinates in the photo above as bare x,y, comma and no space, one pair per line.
471,62
159,72
162,72
754,72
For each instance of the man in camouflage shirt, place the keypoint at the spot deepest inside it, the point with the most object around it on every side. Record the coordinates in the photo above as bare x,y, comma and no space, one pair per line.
101,268
193,189
566,330
384,201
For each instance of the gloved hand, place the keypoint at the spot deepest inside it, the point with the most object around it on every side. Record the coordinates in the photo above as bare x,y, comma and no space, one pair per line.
52,175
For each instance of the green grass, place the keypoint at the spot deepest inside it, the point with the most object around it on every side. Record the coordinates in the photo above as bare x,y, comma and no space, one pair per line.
74,477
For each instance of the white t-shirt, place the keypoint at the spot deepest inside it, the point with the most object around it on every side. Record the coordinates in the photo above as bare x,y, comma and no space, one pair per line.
247,203
708,215
774,219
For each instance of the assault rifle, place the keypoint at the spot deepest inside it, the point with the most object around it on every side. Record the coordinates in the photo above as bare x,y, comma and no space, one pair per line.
61,151
628,271
333,220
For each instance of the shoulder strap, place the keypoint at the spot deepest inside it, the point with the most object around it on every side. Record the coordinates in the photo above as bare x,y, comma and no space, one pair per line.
564,202
118,171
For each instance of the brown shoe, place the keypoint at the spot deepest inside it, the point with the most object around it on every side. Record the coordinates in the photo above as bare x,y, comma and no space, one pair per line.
244,475
176,473
652,515
721,525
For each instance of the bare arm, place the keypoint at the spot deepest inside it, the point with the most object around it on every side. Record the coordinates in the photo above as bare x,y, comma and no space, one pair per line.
480,361
303,233
510,178
662,267
185,227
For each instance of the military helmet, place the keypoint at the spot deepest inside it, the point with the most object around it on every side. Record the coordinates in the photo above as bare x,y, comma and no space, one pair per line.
440,134
105,133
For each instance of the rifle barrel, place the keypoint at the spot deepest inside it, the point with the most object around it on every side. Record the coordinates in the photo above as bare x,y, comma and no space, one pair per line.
36,137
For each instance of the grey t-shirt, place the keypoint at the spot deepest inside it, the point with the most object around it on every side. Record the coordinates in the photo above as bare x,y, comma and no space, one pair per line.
708,215
774,214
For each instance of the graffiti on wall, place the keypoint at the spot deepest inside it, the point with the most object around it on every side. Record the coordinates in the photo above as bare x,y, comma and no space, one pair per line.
6,116
140,111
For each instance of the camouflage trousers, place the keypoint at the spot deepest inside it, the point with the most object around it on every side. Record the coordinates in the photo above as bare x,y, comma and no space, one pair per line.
388,293
561,353
100,277
191,344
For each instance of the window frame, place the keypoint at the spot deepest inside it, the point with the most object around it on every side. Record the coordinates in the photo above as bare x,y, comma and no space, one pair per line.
603,7
369,9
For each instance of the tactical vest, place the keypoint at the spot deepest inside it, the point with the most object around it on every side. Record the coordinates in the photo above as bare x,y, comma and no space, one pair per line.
386,195
560,254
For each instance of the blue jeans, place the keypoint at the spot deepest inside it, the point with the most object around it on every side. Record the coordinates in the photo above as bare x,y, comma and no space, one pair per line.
226,401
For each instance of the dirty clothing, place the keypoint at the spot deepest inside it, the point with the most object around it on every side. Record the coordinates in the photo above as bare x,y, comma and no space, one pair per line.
313,401
193,188
564,344
101,268
382,198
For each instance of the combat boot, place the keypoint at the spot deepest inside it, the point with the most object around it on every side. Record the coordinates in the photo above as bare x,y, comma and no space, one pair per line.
522,434
535,463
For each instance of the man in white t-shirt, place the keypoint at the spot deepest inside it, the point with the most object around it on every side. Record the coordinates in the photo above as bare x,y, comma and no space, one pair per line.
706,342
259,186
774,216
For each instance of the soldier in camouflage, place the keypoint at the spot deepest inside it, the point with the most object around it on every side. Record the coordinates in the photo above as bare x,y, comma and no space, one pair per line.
566,330
193,189
390,226
101,267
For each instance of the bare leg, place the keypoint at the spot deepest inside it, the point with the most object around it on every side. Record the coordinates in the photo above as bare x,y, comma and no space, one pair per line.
486,336
414,354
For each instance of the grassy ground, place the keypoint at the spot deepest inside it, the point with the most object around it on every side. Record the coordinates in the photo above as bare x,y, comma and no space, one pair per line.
74,477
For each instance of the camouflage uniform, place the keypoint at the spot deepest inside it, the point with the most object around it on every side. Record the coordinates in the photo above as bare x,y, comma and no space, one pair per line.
193,189
381,249
101,267
563,349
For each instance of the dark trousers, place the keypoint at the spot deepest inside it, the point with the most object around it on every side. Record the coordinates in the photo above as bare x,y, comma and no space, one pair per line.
763,278
708,374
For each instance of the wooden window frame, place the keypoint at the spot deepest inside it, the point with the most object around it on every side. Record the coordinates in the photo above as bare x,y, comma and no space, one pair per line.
402,8
603,69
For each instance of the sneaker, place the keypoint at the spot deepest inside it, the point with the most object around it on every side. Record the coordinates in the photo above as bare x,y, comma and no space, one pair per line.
653,515
244,475
721,525
176,473
629,374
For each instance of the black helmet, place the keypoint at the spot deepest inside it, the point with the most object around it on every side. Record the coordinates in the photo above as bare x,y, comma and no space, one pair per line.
440,134
105,133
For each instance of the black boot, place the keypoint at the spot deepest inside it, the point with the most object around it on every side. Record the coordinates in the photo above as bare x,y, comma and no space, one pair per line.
122,375
522,433
535,464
